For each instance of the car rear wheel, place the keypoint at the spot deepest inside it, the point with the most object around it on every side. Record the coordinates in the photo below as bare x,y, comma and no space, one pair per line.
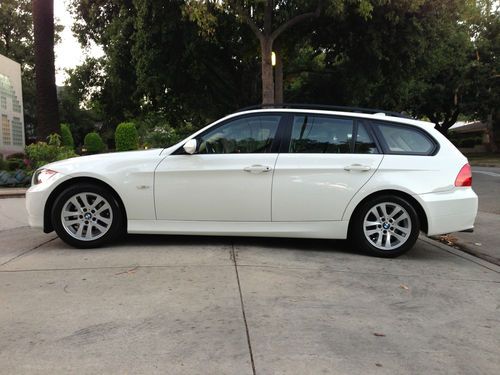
86,216
386,226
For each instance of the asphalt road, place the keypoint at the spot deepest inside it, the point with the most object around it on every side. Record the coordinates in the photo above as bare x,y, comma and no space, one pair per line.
201,305
486,184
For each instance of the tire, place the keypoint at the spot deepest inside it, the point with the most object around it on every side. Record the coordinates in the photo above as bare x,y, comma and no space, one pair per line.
371,227
87,216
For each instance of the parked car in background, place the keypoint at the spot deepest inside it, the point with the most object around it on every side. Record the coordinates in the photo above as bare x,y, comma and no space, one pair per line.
374,177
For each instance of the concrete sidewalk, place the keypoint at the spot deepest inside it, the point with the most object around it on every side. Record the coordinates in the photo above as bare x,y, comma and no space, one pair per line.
214,305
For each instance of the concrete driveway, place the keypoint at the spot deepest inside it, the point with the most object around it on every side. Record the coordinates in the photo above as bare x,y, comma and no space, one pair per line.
199,305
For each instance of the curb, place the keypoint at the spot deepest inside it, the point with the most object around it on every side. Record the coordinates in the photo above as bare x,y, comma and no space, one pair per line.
12,193
461,253
488,165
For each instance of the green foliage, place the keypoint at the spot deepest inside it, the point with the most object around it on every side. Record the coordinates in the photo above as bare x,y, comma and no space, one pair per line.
66,136
42,153
93,143
155,131
432,59
126,137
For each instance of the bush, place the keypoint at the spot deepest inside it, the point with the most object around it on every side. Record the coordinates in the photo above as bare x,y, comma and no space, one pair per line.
42,153
126,137
93,143
15,164
66,136
17,155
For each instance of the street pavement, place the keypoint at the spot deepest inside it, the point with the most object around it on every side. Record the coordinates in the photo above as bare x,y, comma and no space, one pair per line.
484,242
216,305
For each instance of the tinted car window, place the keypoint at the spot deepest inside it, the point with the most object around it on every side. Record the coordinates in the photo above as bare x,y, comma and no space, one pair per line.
403,140
364,142
253,134
321,134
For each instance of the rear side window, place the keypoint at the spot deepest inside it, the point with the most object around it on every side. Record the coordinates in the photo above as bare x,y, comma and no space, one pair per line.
364,142
321,134
405,140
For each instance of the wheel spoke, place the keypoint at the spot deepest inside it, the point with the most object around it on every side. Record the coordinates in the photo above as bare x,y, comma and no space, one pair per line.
372,231
388,239
96,202
375,213
70,213
402,229
88,233
100,227
103,208
402,217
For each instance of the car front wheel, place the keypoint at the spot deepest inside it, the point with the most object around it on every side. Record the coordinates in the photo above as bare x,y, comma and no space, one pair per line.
86,216
386,226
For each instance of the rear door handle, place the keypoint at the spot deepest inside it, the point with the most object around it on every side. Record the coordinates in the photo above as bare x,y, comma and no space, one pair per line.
257,168
358,167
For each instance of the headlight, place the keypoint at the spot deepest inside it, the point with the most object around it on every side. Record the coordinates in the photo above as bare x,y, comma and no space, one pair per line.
43,175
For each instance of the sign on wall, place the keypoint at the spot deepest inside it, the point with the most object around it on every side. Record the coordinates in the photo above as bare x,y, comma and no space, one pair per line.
11,107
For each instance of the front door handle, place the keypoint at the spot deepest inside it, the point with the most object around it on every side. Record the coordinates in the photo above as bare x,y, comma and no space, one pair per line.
358,167
257,168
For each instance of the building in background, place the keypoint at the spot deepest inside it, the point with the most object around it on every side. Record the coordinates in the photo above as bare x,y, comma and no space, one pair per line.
11,108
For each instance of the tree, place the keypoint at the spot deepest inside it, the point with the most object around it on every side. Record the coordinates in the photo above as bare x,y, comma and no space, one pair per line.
485,72
270,28
408,56
46,95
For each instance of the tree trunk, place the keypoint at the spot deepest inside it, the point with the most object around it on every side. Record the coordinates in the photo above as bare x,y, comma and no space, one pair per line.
46,94
267,72
278,79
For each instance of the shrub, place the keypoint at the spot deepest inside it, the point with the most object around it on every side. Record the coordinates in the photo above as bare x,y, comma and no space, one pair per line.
42,153
15,164
66,136
126,137
17,155
93,143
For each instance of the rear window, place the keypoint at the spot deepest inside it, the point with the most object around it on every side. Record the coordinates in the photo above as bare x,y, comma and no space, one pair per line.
405,140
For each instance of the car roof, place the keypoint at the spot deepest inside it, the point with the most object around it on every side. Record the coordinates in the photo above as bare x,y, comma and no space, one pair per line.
372,116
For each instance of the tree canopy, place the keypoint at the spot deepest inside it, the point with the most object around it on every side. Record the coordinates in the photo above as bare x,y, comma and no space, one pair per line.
188,61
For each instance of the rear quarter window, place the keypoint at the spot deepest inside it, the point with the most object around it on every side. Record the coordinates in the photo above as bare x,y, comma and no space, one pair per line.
405,140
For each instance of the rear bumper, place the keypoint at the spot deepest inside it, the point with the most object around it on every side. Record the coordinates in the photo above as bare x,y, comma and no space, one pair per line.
450,211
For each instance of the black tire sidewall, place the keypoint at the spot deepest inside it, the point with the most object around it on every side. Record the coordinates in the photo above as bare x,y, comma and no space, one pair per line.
358,236
113,231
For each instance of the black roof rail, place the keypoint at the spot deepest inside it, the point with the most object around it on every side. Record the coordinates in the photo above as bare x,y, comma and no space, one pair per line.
337,108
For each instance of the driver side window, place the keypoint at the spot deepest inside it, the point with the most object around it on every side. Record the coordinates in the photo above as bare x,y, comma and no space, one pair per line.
247,135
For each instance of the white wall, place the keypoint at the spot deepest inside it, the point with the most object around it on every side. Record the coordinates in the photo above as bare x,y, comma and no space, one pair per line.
11,107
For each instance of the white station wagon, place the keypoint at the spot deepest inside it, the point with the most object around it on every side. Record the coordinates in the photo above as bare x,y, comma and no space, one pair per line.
377,178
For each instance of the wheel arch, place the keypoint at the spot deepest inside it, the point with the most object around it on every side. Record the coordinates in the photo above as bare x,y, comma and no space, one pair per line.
47,219
422,216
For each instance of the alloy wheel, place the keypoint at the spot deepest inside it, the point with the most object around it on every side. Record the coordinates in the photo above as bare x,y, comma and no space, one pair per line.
87,216
387,226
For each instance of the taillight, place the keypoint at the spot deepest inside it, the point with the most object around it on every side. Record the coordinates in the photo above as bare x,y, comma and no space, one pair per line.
464,177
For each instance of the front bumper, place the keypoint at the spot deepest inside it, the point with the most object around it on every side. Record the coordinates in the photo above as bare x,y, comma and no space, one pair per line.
450,211
36,199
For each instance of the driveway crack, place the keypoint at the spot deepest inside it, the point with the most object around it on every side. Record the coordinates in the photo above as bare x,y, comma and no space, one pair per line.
234,259
27,251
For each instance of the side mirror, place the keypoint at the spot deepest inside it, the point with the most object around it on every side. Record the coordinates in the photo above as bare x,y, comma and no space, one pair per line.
190,146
